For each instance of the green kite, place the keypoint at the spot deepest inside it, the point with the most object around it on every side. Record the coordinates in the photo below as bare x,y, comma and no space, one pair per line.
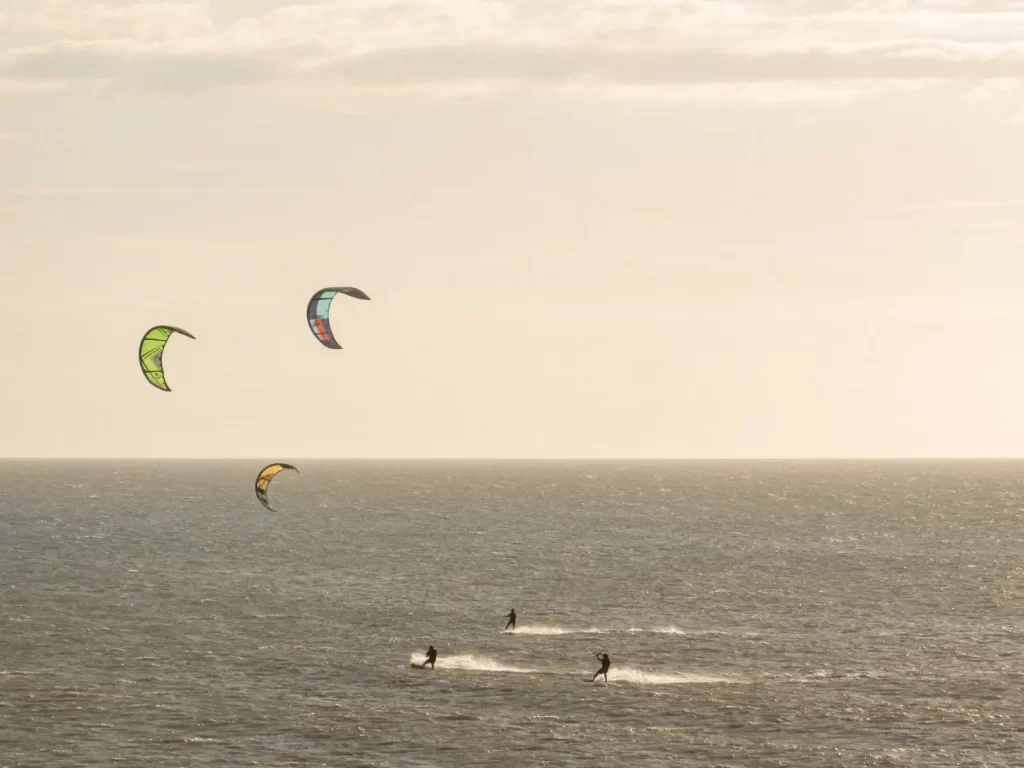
151,353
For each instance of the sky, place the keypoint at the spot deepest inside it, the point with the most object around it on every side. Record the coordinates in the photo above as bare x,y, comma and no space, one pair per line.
589,229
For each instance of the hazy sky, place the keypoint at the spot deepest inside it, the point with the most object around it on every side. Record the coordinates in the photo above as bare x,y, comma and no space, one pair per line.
643,228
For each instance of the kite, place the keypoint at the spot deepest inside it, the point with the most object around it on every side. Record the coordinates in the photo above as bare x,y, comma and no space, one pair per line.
318,312
151,353
263,481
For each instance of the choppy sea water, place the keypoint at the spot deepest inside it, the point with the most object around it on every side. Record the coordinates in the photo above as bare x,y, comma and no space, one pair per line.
761,614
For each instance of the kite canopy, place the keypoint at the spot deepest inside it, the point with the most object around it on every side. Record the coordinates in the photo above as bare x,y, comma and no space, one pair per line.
151,353
263,481
318,312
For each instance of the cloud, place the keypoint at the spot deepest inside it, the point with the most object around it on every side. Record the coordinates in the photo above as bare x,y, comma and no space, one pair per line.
465,46
899,60
142,64
72,20
84,191
185,68
151,191
749,93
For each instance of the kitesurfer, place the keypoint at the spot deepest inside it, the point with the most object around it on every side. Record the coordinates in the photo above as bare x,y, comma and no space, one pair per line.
511,620
431,658
605,663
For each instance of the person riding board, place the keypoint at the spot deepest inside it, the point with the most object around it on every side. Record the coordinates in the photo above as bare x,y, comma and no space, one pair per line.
605,663
431,658
511,620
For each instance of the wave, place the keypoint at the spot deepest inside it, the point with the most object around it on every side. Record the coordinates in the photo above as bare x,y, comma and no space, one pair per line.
825,675
470,663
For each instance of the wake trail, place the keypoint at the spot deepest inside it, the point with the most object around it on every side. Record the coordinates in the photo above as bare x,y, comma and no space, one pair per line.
541,629
545,629
470,663
672,629
640,677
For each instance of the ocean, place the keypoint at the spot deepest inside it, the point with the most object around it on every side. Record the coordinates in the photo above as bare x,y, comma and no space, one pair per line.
152,613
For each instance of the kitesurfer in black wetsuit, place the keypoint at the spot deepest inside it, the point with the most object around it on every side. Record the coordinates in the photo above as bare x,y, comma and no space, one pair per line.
431,658
511,619
605,663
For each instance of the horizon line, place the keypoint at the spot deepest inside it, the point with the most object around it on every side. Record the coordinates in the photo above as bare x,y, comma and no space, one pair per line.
549,459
